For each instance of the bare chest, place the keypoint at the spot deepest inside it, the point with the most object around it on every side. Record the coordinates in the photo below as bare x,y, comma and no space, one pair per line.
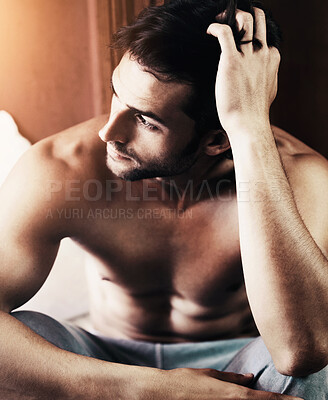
149,249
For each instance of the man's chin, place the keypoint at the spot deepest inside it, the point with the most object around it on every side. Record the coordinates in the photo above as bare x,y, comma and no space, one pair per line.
127,175
130,175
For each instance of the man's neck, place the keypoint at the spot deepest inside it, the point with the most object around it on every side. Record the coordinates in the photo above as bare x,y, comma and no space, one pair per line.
185,186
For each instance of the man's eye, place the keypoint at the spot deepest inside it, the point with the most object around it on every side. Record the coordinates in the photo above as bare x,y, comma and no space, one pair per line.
145,123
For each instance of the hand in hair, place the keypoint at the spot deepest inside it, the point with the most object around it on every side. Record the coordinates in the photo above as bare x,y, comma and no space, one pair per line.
246,82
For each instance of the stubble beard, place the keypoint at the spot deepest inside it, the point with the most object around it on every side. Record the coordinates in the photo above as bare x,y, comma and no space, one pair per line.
171,166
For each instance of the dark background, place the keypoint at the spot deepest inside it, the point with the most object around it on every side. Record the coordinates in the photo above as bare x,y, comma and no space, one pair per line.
301,104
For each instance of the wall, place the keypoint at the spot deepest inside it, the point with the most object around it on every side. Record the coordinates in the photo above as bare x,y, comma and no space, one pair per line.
45,69
301,105
55,62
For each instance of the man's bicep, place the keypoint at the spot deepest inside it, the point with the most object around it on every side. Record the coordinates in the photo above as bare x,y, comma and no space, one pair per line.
28,241
23,270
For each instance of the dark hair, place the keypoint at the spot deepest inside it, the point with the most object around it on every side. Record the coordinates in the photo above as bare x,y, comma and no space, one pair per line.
171,42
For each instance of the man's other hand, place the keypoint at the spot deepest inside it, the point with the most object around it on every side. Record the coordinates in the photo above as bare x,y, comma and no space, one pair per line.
204,384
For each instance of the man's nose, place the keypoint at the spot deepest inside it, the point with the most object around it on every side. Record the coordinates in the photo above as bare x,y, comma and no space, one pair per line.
115,129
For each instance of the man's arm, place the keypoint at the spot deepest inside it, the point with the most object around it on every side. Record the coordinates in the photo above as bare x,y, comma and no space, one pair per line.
284,252
31,367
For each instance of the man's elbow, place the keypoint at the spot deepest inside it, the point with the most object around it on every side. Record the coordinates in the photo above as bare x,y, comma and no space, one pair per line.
301,363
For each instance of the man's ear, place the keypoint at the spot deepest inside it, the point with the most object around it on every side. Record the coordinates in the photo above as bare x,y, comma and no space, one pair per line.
216,142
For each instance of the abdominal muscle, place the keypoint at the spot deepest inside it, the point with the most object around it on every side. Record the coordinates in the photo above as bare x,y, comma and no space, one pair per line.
167,316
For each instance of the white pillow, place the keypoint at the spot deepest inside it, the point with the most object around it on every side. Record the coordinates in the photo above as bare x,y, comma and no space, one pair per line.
12,144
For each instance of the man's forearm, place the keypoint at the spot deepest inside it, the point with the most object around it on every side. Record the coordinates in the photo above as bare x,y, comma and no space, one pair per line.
285,271
32,368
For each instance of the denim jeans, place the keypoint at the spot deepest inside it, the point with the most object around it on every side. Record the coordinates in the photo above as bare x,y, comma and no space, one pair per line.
235,355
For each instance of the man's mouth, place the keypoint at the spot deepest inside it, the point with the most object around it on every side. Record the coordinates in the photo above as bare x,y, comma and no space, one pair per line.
116,155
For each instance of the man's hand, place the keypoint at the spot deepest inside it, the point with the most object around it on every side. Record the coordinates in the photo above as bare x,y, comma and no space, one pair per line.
246,83
205,384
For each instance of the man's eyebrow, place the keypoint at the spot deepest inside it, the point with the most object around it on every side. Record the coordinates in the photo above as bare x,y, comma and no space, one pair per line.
149,114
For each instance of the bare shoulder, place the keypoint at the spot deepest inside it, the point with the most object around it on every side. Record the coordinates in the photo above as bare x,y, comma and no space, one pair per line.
301,162
74,149
36,185
307,172
77,151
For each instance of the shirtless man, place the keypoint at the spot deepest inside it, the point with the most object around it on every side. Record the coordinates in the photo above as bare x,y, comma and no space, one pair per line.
242,255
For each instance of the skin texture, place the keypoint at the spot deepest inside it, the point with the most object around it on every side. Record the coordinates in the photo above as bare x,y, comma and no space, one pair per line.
171,279
280,241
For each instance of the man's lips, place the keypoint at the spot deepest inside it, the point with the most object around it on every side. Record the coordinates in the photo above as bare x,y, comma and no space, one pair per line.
116,155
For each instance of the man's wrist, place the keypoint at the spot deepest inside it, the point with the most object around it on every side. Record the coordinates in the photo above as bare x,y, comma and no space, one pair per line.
250,134
98,379
145,383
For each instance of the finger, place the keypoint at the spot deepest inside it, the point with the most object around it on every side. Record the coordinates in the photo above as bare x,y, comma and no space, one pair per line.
260,395
224,34
245,22
239,379
260,25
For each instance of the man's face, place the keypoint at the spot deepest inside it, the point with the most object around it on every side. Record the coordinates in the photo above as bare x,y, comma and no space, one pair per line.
147,134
